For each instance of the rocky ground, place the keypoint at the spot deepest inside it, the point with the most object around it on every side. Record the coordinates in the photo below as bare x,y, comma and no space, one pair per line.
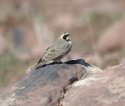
69,84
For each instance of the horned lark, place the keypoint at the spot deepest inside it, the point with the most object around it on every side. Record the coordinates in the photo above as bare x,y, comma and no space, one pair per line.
57,50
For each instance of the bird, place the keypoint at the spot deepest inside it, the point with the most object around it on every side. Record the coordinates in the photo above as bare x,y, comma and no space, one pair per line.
58,50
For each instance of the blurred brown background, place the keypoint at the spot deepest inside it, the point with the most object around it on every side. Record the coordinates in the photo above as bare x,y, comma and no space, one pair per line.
27,27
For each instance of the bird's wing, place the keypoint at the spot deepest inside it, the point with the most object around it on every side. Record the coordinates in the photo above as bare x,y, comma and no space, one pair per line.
54,52
50,54
41,59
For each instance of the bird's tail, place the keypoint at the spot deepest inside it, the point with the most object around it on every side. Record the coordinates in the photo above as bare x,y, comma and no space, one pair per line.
38,65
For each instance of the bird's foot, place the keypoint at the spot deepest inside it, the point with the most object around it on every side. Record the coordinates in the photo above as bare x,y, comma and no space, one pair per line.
58,62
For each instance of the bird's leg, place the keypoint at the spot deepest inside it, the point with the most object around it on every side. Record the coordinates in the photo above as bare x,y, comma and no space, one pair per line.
57,61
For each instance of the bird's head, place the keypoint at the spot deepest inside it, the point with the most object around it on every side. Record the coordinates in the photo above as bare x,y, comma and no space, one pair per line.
65,36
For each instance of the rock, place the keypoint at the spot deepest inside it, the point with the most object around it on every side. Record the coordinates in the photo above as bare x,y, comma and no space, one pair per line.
73,83
95,59
113,38
101,89
45,86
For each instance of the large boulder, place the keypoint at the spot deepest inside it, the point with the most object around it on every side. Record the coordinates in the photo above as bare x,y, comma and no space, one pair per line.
103,89
73,83
45,86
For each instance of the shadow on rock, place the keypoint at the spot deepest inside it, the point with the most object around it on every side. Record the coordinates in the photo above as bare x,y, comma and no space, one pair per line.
70,62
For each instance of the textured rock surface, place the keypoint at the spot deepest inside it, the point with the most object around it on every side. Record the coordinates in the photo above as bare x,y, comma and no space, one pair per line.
104,89
66,84
45,86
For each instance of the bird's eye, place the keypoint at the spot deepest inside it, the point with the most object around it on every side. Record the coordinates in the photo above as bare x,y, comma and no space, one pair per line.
66,37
